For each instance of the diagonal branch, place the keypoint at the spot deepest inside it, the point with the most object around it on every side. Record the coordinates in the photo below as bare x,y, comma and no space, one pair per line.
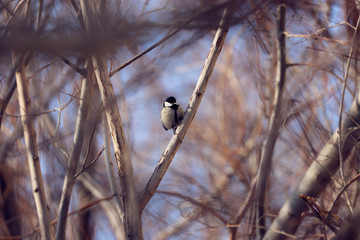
318,174
193,106
204,10
139,55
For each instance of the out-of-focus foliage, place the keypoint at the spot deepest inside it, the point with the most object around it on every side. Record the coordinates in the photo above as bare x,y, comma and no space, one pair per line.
211,177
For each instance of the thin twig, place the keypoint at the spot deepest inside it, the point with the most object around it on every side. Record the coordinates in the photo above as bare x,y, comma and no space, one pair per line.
42,68
327,219
341,157
12,88
40,10
164,39
203,205
88,148
9,94
317,37
342,191
79,70
85,167
41,113
77,211
73,160
245,207
274,124
139,55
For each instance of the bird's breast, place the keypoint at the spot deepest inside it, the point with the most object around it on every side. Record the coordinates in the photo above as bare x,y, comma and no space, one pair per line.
168,118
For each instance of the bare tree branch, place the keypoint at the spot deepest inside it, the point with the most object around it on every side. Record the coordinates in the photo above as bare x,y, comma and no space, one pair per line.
317,176
110,169
125,169
342,190
77,211
274,124
32,150
168,36
244,208
341,160
179,226
204,205
4,103
132,222
139,55
193,106
74,158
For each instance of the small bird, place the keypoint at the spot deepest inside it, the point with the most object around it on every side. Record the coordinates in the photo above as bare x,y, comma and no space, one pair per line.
171,114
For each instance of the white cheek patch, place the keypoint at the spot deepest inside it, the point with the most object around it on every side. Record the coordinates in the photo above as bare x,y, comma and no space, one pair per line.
167,104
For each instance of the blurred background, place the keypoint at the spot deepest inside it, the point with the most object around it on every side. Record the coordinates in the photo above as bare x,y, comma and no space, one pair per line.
210,181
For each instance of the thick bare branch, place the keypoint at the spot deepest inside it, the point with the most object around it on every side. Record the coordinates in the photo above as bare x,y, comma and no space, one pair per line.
110,169
193,106
317,176
132,224
124,165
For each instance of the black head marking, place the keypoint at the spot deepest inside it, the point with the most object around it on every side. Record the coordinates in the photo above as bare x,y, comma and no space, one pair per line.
171,99
174,106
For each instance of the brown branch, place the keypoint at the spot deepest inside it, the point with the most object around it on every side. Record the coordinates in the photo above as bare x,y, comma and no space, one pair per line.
4,103
342,191
139,55
318,174
167,37
244,208
316,37
85,167
327,218
202,205
79,70
341,159
77,211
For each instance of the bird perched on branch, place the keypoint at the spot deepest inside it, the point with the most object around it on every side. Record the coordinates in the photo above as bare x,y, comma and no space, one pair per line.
171,114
